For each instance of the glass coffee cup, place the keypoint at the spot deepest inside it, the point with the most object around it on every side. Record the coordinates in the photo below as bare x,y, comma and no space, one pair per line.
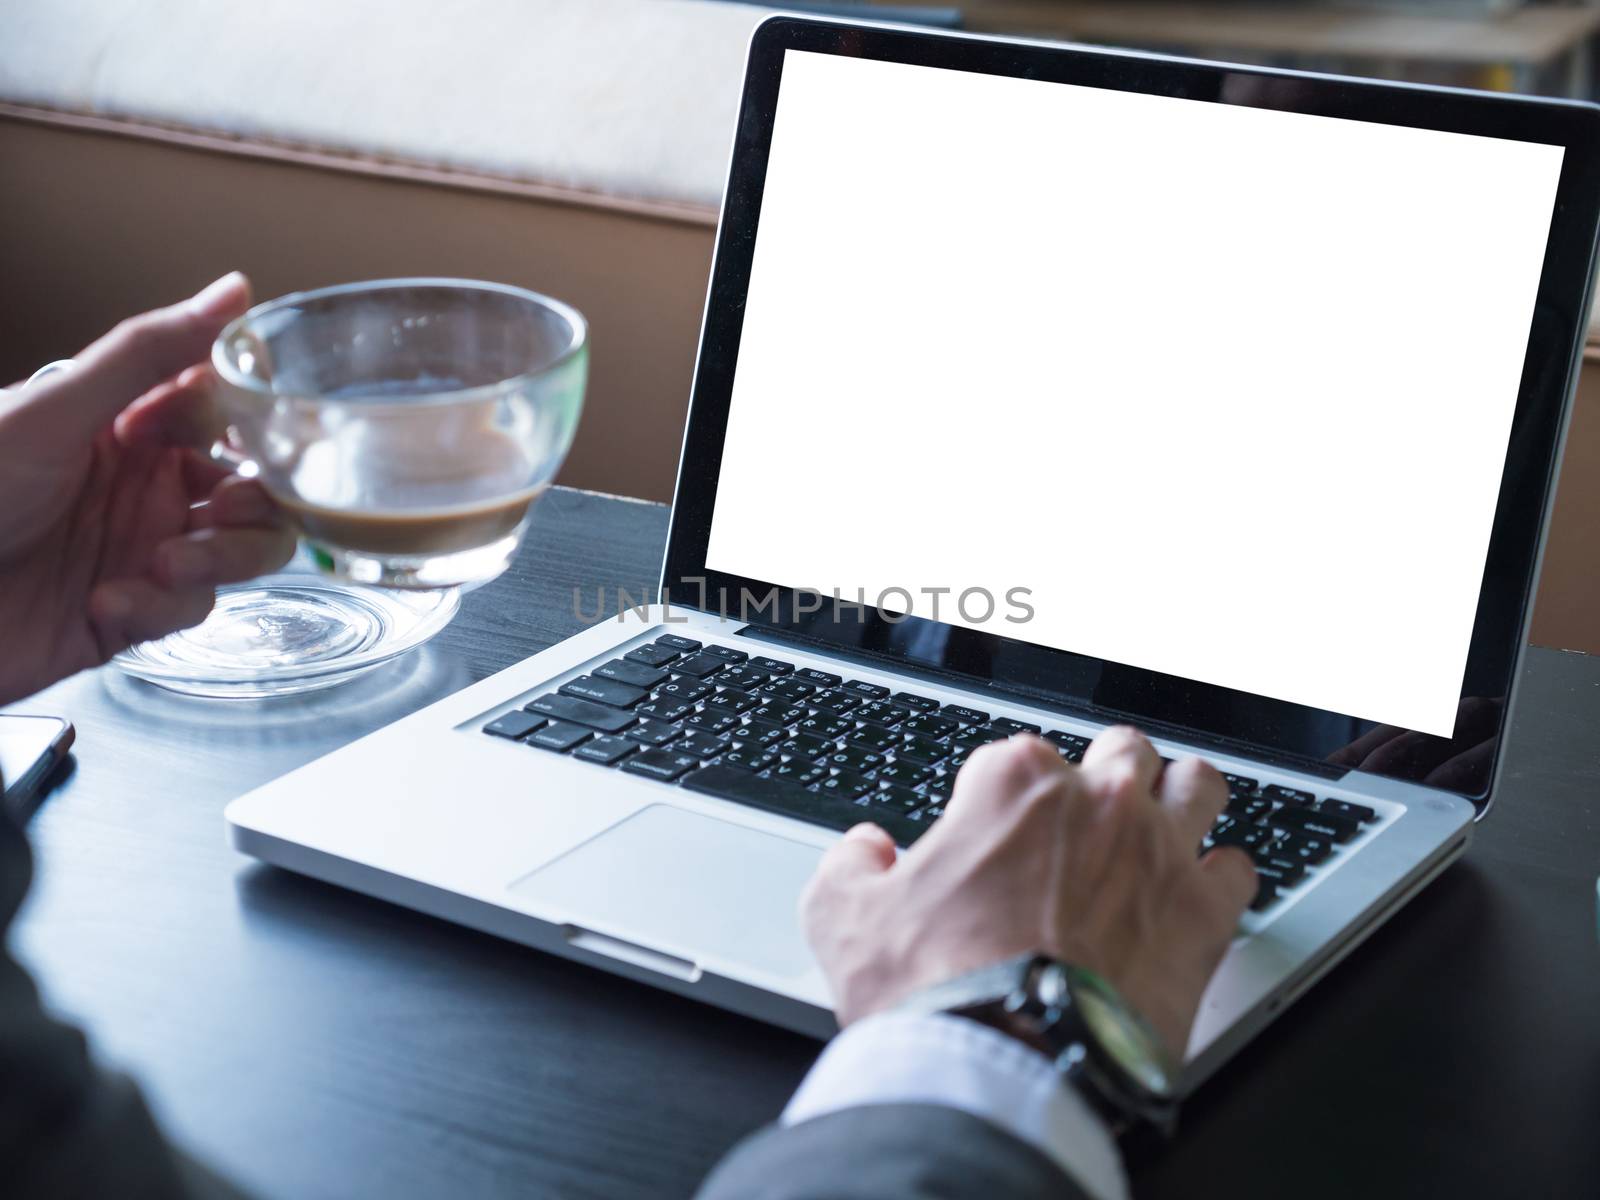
407,425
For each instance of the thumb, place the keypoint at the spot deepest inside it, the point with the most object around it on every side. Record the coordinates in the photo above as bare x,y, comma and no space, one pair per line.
143,351
1231,872
864,850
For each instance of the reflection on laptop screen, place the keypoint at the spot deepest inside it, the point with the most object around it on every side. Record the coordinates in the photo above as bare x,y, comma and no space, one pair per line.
1228,390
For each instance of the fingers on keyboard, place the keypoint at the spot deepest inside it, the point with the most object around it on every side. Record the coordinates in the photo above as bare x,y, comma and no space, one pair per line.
812,745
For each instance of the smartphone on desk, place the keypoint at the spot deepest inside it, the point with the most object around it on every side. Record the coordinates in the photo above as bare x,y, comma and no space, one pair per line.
30,750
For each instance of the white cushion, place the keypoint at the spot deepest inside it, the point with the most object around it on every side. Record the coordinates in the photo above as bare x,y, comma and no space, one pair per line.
628,98
631,98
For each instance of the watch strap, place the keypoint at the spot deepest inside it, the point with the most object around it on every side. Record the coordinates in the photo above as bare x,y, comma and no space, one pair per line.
1002,996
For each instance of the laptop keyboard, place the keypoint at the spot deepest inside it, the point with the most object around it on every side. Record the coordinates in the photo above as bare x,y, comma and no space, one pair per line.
833,751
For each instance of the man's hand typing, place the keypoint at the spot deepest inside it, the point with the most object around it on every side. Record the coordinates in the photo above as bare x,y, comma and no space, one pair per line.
1097,865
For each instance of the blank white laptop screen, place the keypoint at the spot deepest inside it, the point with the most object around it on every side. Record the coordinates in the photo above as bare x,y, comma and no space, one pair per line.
1227,389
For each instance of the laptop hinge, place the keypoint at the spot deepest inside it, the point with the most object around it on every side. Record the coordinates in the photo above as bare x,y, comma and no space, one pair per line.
1047,700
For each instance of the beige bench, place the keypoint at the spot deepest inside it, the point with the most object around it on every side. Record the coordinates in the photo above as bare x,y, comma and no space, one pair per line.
576,147
572,146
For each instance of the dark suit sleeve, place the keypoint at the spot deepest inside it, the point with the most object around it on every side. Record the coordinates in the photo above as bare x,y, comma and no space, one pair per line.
888,1152
67,1128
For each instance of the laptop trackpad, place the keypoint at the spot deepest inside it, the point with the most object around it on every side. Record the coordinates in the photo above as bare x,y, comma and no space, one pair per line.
685,884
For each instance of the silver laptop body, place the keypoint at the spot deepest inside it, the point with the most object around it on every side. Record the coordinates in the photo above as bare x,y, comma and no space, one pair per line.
688,890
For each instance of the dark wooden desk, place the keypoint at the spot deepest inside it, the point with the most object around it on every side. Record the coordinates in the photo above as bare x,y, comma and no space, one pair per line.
316,1043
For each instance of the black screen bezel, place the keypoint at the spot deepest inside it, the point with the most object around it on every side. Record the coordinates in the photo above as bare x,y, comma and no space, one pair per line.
1151,698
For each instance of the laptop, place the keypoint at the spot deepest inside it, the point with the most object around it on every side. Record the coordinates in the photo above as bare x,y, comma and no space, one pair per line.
1040,388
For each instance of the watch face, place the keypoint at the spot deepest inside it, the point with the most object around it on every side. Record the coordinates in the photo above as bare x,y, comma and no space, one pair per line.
1123,1036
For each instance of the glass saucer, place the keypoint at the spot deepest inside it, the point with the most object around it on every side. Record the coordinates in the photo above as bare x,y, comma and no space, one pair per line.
290,633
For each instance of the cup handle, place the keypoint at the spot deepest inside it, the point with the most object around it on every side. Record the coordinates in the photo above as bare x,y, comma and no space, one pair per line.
225,452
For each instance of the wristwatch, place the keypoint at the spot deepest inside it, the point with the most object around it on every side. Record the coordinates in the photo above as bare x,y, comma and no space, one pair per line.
1116,1062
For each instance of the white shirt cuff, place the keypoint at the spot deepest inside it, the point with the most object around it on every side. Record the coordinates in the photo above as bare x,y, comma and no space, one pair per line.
909,1058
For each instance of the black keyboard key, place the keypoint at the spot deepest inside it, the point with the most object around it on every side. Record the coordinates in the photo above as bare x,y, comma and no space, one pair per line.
636,674
603,691
882,713
665,765
653,733
834,702
798,771
757,734
930,814
711,721
674,642
790,690
967,716
869,737
825,725
1246,837
846,784
779,714
651,656
583,712
1310,850
896,799
772,666
700,665
909,700
1282,871
727,654
1013,726
940,787
853,759
970,737
664,710
803,745
929,725
733,701
559,735
514,725
1348,810
817,678
867,691
764,717
687,690
701,745
906,774
1062,738
1287,795
787,798
1249,808
744,677
1315,824
749,758
606,749
1241,785
921,750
